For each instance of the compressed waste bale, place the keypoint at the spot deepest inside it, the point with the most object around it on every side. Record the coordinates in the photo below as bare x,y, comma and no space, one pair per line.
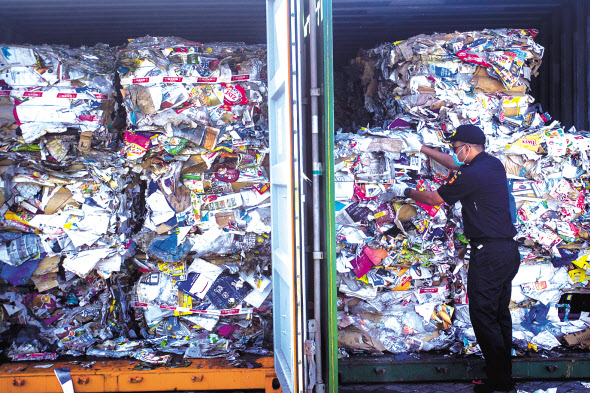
148,235
62,93
413,296
67,201
197,134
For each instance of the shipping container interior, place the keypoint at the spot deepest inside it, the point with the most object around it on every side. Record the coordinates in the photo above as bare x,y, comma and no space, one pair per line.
86,23
562,87
113,22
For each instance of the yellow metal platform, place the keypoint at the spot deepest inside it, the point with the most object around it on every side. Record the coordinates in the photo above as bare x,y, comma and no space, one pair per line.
119,376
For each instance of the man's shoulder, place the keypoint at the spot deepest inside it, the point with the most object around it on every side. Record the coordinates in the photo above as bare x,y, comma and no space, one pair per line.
489,171
465,174
489,161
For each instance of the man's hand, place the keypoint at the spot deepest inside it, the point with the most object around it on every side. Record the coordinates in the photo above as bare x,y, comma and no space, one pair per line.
397,190
414,144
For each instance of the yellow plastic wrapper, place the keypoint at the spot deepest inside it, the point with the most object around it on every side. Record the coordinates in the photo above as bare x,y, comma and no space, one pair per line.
515,106
531,142
406,279
19,216
582,263
184,300
177,270
578,275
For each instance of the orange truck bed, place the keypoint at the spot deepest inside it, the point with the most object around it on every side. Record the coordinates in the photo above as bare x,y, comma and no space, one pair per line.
119,376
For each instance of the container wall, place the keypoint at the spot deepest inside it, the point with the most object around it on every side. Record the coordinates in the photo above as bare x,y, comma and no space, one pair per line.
562,88
563,83
114,22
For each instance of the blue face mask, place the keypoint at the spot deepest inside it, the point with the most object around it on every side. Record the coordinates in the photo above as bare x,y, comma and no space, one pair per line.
456,159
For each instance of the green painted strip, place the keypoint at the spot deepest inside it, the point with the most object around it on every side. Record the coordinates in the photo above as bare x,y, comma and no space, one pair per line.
331,378
386,369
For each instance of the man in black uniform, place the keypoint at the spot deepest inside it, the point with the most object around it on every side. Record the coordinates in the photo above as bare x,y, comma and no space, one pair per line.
480,184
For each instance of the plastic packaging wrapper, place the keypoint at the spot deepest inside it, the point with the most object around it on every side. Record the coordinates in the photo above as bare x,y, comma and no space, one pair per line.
197,136
149,237
181,88
52,96
65,235
402,279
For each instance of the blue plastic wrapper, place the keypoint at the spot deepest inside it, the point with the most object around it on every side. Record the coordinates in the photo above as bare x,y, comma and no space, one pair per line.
166,248
19,275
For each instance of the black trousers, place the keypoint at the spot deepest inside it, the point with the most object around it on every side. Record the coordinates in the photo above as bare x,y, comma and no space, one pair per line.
492,266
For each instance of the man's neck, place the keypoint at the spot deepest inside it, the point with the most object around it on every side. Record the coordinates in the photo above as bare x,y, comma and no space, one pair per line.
472,156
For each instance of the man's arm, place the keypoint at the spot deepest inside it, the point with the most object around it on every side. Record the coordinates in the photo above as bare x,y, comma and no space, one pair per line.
427,197
440,157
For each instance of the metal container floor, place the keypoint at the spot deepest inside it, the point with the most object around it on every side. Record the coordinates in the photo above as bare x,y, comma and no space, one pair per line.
563,386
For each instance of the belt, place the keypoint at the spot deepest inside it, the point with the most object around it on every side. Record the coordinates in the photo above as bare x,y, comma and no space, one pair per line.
479,243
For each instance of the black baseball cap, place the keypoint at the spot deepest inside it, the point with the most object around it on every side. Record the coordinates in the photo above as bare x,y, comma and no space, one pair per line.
469,134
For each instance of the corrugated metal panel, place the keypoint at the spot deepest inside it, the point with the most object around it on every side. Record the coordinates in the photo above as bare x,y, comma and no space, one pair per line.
86,22
563,86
